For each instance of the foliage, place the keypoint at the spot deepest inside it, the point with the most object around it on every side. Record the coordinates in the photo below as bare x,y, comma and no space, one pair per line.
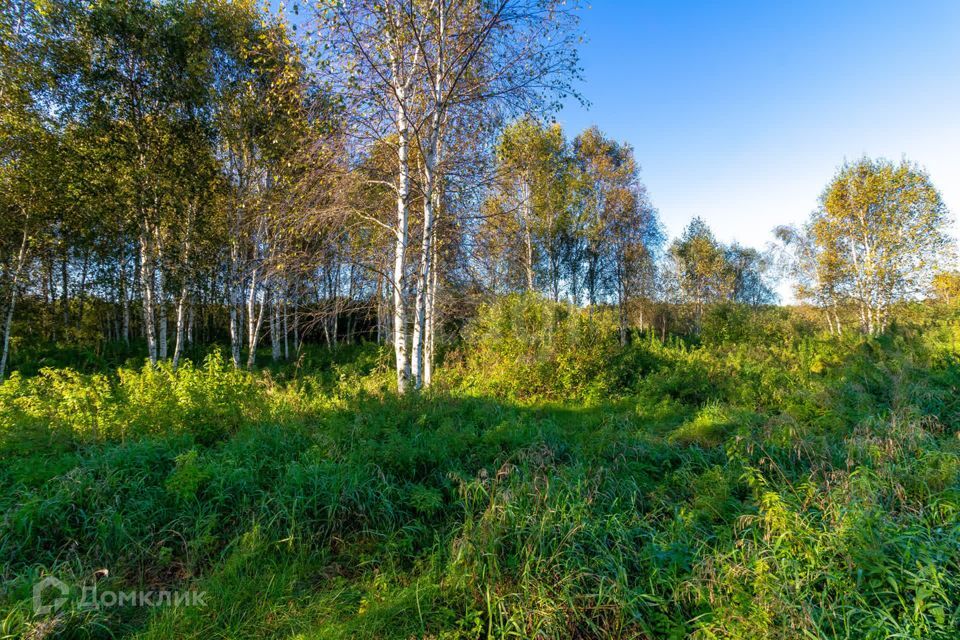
878,239
525,347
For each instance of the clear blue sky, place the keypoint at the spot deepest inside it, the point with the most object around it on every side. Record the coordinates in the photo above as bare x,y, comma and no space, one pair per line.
741,112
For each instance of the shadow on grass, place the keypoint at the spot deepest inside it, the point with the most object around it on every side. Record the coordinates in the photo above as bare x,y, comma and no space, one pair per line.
344,522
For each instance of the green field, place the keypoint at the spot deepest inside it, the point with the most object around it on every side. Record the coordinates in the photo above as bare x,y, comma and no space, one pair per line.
770,483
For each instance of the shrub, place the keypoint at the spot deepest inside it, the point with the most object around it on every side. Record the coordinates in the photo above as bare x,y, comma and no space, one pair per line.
526,347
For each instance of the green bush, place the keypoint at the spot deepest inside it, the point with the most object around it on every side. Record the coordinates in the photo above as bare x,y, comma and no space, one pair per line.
526,347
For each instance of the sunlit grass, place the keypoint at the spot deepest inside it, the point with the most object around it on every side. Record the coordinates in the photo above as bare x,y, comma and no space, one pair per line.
726,491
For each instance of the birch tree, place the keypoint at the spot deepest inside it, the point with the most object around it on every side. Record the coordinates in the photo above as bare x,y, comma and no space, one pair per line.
415,70
28,163
883,228
700,267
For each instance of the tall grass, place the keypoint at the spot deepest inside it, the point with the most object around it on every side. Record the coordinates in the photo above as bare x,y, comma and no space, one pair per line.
555,485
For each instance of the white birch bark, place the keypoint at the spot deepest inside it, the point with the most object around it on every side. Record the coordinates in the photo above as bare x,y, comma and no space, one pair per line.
184,290
431,156
11,304
400,245
431,321
161,297
233,302
253,320
181,325
148,278
274,328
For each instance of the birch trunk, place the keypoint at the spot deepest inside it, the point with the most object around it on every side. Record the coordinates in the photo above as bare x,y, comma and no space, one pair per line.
423,275
296,328
253,321
431,321
181,322
182,300
527,213
65,293
124,300
380,319
286,330
8,320
161,313
254,337
148,275
233,301
622,304
274,329
403,191
82,294
431,158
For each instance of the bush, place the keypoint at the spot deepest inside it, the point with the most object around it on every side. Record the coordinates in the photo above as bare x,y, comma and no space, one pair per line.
208,402
526,347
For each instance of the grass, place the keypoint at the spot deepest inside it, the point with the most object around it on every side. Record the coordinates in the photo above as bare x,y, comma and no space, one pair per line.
790,487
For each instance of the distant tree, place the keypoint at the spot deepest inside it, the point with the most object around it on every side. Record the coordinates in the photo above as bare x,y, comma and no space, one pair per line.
622,234
533,172
880,232
701,269
751,276
814,270
946,286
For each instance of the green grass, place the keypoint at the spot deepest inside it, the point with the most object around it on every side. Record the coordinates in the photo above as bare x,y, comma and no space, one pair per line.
795,486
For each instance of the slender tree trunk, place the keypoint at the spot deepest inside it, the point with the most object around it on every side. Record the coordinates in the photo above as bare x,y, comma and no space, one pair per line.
124,298
622,304
423,276
296,327
12,303
184,277
65,292
233,301
252,336
431,321
181,328
431,167
82,294
400,246
555,275
381,321
254,322
274,328
147,277
286,330
162,314
526,207
49,297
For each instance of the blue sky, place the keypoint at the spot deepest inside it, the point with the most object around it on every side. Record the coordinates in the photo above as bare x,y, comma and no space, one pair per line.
740,112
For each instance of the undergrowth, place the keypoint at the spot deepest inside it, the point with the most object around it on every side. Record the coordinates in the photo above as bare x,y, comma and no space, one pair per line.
553,485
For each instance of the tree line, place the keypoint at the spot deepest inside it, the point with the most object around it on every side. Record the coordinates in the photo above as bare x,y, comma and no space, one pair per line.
199,171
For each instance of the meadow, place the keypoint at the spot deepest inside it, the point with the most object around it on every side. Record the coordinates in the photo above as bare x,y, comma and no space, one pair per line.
762,480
